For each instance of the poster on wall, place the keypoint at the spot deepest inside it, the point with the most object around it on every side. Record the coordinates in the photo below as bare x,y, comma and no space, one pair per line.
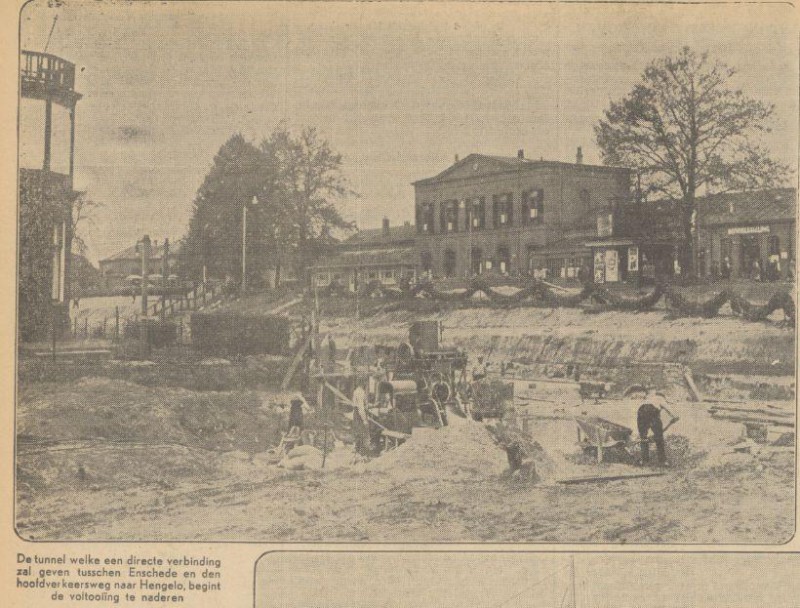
612,265
600,266
633,259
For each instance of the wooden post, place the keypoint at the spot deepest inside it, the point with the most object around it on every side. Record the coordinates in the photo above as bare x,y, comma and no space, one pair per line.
86,328
164,274
116,323
74,328
144,341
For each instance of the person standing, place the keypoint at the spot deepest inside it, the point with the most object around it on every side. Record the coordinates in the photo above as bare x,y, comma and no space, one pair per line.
361,439
479,371
296,416
648,419
331,353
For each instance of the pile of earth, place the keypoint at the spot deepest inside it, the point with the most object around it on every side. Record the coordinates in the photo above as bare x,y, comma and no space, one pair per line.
463,449
98,433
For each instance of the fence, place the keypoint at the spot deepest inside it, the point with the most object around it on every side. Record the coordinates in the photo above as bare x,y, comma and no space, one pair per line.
113,326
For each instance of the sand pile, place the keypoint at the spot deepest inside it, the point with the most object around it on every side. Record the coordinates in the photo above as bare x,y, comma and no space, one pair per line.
464,448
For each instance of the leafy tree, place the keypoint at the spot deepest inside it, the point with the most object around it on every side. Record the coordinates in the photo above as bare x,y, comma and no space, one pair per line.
684,127
295,182
214,238
311,185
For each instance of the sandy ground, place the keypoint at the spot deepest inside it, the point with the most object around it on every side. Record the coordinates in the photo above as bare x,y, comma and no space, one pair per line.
442,485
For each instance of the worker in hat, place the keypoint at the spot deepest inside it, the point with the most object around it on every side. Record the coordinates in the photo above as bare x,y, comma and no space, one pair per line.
648,419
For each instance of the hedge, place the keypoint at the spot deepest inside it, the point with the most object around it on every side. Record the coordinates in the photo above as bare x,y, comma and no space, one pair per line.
231,334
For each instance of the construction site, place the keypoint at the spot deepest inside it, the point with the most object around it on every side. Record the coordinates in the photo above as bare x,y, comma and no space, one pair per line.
521,424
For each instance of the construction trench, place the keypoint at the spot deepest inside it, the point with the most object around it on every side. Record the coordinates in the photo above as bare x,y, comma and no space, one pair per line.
105,458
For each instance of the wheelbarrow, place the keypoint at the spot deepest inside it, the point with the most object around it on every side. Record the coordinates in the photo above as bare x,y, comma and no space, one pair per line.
598,434
595,433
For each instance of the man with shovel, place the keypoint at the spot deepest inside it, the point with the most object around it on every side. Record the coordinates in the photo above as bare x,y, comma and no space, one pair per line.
648,418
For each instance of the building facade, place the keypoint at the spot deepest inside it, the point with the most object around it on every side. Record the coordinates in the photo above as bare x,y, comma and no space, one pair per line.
748,232
129,261
384,255
512,216
46,194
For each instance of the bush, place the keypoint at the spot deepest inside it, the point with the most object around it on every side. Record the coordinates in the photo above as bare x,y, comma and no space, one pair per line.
159,333
230,334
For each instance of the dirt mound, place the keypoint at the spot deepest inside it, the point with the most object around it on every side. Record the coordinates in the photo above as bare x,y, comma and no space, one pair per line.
120,411
463,448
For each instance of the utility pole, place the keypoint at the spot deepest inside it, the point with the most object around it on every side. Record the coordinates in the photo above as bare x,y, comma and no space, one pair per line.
164,274
244,244
144,342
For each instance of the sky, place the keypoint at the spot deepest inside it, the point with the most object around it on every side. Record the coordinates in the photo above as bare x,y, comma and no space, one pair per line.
397,88
525,580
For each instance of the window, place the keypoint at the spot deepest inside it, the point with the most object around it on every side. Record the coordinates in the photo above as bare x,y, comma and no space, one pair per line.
503,210
477,261
555,267
449,263
425,218
503,259
387,274
774,245
449,216
532,206
372,275
475,214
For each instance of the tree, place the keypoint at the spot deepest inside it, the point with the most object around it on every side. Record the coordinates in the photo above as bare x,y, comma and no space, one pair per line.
296,181
83,209
312,183
684,128
214,238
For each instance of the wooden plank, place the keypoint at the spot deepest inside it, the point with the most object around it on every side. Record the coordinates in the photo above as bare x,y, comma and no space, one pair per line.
774,412
283,307
338,393
604,478
295,362
752,419
687,374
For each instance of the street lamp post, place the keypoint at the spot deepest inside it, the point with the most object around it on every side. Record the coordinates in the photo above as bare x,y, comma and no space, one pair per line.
244,244
468,206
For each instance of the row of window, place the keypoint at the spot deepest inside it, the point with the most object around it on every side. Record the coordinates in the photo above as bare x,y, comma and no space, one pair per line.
470,214
326,278
565,267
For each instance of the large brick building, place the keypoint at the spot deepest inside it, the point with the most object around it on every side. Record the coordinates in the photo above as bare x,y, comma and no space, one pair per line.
512,215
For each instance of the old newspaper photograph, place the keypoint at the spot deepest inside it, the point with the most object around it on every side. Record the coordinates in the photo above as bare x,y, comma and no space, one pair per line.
398,273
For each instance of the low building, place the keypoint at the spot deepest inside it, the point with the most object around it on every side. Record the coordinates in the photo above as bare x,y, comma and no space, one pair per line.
737,235
385,255
740,229
636,242
129,261
512,215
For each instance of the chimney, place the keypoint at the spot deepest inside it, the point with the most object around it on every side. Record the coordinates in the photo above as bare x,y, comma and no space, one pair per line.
386,226
456,157
520,153
731,208
579,156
